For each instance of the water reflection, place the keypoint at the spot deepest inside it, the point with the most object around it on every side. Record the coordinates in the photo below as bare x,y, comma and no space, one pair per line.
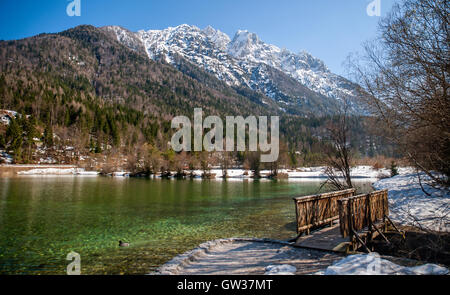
44,218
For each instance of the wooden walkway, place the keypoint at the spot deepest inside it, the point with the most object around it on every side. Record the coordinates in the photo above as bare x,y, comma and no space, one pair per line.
350,221
328,238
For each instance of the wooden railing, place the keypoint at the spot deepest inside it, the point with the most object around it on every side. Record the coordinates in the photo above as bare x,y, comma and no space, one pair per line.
362,211
317,210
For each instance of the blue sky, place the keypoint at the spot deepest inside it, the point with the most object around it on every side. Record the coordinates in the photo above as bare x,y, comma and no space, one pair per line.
328,29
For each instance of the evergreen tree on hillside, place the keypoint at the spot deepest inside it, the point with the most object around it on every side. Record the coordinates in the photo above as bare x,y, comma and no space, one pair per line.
29,132
48,135
14,136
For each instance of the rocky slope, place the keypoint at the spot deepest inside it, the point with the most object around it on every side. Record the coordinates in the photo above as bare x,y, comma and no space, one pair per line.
298,83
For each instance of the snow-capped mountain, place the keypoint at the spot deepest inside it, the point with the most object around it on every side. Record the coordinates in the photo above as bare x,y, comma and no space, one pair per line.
294,80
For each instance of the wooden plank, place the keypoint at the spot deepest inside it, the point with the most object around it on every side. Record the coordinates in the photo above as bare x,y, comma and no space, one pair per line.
317,210
355,234
325,195
380,233
325,221
328,239
361,211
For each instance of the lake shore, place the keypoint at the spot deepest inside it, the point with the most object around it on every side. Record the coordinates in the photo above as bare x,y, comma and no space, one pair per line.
310,173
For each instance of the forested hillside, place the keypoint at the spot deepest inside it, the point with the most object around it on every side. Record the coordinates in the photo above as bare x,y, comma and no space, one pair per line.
83,91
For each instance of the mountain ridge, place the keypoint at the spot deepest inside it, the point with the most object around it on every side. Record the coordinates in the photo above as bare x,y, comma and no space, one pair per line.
235,60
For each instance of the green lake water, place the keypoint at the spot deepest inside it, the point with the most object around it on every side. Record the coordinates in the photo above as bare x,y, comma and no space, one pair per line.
44,218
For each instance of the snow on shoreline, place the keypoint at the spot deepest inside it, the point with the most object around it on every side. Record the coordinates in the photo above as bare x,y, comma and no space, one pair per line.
309,173
58,171
362,173
272,257
409,205
305,172
247,256
283,269
372,264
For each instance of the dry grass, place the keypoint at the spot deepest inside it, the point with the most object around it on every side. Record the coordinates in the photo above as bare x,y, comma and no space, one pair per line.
380,162
431,247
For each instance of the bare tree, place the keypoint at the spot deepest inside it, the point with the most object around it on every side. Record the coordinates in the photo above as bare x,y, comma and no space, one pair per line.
205,164
405,78
225,162
338,151
253,161
281,162
193,164
180,163
133,163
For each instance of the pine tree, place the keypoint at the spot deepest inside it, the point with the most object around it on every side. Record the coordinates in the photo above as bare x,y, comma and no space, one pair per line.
14,136
30,132
48,135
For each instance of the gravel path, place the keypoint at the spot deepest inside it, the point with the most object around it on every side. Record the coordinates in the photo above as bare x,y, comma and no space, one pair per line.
246,257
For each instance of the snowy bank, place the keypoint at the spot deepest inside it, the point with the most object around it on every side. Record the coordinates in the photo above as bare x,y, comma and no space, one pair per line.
248,256
409,205
307,173
58,171
373,264
284,269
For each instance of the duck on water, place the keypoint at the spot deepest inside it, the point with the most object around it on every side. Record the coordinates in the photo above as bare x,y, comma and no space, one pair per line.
123,244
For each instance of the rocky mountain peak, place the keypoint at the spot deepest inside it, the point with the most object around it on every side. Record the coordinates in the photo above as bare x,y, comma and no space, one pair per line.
238,62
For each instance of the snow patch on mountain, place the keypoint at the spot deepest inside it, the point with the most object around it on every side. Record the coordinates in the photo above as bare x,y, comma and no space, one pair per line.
126,37
205,48
238,61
